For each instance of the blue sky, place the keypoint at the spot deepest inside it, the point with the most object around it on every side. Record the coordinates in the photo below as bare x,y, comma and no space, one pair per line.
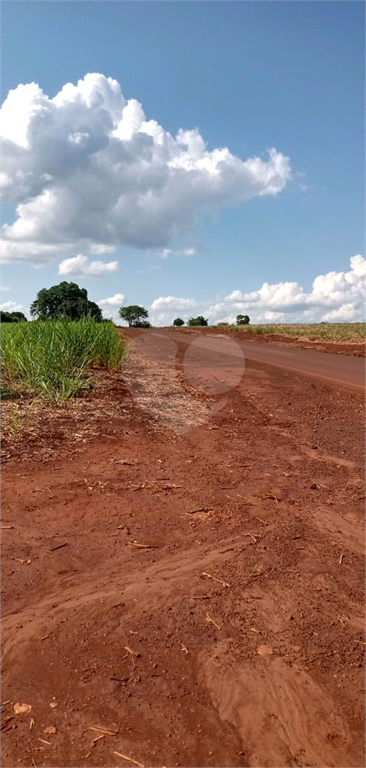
249,76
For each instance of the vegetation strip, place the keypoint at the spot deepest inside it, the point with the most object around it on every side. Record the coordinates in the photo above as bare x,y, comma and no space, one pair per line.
54,358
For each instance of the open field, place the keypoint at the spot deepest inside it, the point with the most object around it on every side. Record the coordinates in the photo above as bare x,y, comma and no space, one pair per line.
339,332
54,359
343,338
183,574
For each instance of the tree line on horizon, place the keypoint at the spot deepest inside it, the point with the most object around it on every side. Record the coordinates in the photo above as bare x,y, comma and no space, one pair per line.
68,300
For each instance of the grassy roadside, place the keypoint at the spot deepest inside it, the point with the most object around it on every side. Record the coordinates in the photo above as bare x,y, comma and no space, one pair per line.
350,333
54,359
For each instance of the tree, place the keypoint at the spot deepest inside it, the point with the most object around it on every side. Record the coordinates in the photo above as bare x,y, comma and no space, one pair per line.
64,300
178,321
12,317
135,316
242,319
200,320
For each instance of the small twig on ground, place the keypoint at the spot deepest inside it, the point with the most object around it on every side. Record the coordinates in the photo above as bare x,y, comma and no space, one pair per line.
144,546
184,648
210,620
340,559
130,651
255,537
104,731
209,576
202,597
59,546
131,760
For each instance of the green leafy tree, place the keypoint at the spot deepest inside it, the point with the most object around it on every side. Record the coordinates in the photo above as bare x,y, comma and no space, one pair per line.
242,319
12,317
197,321
135,316
64,300
178,322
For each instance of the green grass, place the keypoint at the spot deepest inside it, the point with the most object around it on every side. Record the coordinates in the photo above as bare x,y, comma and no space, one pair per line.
54,358
342,332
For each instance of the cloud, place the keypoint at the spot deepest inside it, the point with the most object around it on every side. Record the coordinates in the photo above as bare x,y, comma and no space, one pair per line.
172,302
113,301
88,172
81,266
164,310
11,306
167,252
335,296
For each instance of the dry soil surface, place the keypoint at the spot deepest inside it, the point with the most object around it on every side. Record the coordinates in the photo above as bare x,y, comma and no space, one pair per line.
183,574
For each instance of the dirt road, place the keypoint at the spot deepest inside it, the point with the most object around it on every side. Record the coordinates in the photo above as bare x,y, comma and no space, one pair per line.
183,579
339,369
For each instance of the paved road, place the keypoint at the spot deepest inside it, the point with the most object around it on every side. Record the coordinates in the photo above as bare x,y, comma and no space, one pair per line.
340,369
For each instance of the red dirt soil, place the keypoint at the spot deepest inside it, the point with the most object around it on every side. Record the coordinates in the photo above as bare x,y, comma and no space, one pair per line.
200,595
304,342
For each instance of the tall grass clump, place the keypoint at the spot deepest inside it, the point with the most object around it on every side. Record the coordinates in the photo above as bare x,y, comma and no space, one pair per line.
54,357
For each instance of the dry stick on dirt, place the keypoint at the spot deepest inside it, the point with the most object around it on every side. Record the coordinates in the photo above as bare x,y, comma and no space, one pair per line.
210,620
103,730
131,652
209,576
183,648
341,558
125,757
59,546
255,536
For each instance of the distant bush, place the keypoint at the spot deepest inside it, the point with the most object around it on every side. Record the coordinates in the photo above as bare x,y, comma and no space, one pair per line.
178,322
142,324
242,319
12,317
197,321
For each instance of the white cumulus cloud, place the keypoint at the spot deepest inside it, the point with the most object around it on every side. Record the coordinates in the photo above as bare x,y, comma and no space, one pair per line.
112,301
164,309
11,306
173,302
167,252
88,172
335,296
81,266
